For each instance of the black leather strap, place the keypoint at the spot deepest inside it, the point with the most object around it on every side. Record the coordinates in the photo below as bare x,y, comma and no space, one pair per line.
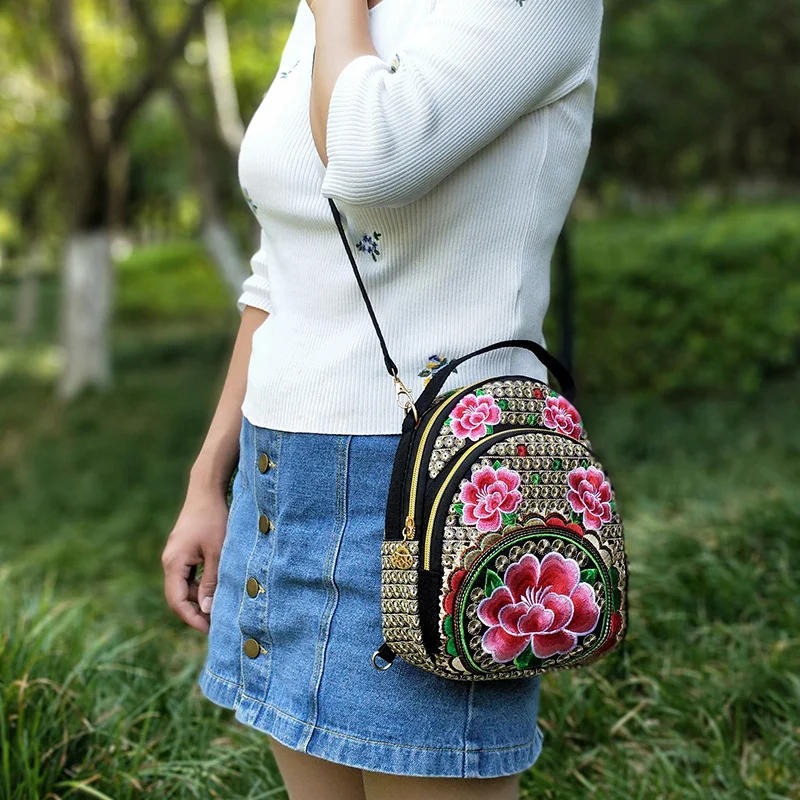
387,359
559,371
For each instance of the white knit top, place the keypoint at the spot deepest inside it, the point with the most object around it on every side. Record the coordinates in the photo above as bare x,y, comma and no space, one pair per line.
453,157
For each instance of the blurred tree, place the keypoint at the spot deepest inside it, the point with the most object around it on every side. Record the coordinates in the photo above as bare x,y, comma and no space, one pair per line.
96,134
203,151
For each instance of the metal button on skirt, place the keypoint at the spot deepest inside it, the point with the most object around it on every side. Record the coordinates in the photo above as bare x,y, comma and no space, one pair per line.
296,618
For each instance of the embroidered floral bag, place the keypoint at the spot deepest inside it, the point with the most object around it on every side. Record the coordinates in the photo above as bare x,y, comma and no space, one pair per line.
503,553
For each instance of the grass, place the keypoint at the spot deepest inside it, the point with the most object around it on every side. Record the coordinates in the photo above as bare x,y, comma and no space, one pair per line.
97,692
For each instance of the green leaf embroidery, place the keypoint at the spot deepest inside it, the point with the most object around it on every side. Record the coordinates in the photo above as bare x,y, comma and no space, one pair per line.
451,647
531,419
497,464
508,519
479,392
523,660
489,429
503,404
535,477
448,625
616,600
556,463
575,517
589,575
493,580
458,508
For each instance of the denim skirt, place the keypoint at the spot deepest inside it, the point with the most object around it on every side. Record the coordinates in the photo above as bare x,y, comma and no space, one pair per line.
296,618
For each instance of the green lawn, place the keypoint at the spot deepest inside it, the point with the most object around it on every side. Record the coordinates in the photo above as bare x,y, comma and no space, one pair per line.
97,675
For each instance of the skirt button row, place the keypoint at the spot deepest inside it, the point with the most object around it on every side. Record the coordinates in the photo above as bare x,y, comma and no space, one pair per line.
252,648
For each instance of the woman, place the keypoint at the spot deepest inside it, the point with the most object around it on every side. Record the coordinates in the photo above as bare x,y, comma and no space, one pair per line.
452,136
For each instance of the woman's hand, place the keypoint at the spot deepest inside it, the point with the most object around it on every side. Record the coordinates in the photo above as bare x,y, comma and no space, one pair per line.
195,539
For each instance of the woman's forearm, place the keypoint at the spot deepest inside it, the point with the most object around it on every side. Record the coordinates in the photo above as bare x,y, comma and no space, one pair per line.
342,34
219,453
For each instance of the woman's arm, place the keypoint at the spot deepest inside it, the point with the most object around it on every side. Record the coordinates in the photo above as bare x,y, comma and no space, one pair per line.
200,528
392,129
341,34
219,453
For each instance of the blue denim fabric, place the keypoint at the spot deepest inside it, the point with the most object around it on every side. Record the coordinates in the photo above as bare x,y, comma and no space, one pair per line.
317,618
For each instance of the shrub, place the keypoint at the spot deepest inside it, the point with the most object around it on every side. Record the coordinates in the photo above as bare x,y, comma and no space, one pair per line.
689,304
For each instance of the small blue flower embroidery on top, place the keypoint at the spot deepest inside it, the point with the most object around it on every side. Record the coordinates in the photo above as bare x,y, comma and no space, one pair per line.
394,63
434,364
285,72
253,206
369,245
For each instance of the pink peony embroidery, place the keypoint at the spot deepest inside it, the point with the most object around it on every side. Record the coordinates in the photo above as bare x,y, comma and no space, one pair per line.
562,416
590,494
487,495
472,414
545,604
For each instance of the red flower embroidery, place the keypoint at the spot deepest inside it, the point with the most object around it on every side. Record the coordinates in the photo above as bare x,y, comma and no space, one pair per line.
562,416
590,494
557,522
455,582
545,604
472,414
611,639
487,495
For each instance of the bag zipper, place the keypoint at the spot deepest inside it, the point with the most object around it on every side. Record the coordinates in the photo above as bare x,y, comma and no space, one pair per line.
409,528
452,472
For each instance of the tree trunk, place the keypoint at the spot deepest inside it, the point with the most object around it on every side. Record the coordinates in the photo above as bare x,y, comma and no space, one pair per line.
86,302
220,73
225,252
97,161
26,314
220,241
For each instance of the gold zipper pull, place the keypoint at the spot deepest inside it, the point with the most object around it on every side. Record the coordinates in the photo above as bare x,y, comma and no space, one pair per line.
408,529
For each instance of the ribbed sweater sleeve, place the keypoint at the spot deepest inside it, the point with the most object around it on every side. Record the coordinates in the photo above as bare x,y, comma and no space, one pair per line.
468,71
255,289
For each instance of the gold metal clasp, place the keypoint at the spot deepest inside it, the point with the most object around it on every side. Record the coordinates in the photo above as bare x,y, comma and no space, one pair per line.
404,398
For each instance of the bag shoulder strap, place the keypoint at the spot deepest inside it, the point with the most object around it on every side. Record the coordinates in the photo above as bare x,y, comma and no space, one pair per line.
387,359
560,372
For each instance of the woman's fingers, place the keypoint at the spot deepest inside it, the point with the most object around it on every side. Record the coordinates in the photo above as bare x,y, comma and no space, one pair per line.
208,581
193,587
195,540
177,589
